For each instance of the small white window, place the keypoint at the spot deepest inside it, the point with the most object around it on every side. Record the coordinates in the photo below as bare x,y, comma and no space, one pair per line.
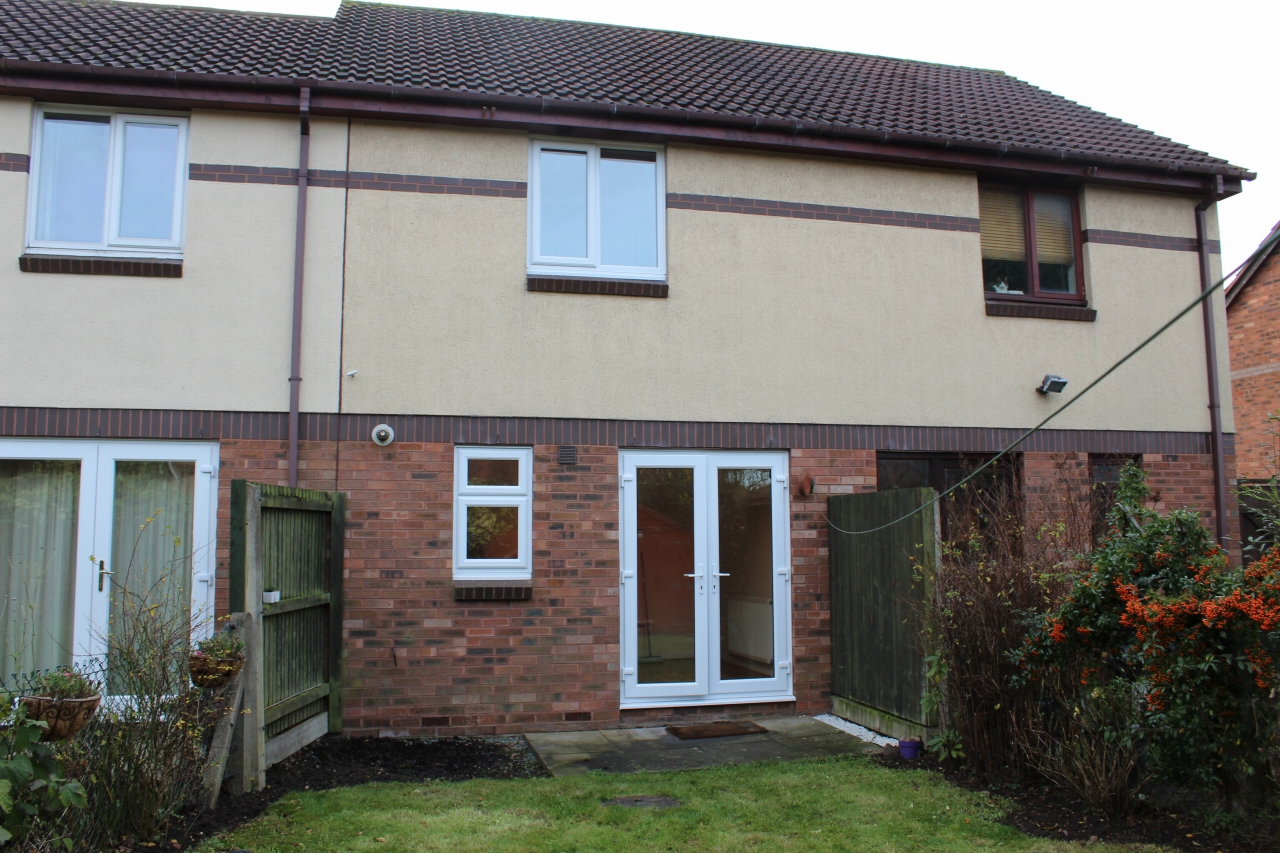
106,183
493,513
597,211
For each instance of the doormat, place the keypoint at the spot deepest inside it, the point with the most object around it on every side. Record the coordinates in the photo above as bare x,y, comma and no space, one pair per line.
721,729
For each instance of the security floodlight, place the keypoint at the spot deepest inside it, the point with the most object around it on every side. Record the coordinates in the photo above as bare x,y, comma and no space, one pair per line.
1052,384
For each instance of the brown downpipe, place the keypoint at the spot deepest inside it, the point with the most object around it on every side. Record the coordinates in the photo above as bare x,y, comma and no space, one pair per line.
1211,352
299,251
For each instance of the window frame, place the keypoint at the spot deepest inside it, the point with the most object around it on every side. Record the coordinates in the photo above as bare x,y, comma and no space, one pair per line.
112,246
1080,297
591,267
465,496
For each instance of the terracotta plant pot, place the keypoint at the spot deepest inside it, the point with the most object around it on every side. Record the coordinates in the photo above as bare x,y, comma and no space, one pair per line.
214,672
64,716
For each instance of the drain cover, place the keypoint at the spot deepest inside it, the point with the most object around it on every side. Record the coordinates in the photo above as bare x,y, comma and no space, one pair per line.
643,802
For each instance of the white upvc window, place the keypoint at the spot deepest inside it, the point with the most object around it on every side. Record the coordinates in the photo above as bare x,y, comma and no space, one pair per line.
493,513
107,183
597,210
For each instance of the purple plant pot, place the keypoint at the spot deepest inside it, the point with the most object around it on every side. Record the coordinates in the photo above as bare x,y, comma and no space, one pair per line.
909,749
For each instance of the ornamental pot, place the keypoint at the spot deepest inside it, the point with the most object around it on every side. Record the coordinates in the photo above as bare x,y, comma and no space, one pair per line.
909,749
64,717
214,672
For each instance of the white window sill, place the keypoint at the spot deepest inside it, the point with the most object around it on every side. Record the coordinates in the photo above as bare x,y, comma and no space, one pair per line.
595,273
132,253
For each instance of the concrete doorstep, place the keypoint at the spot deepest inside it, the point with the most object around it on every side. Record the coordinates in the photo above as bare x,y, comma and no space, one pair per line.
654,749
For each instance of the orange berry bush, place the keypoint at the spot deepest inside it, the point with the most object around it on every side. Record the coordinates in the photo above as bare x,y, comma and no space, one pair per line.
1158,608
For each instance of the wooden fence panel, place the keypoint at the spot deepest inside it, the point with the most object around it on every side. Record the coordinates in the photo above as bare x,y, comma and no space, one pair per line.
876,607
289,540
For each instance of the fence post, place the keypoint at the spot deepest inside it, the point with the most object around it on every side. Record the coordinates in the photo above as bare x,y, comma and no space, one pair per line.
337,546
221,764
250,735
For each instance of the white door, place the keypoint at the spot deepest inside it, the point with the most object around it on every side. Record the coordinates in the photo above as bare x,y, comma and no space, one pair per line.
705,578
82,522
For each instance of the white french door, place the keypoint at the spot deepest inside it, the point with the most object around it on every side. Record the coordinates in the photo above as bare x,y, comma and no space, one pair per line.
705,578
82,522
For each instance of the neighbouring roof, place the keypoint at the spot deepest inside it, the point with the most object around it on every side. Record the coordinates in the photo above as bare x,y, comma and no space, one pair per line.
473,52
1246,274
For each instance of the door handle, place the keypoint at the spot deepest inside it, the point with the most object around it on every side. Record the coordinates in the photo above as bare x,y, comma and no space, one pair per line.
722,574
203,577
694,575
102,573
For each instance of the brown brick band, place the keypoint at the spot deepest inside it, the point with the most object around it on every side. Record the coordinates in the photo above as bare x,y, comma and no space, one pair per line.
358,180
598,286
14,162
1043,311
493,592
1148,241
140,267
179,424
829,213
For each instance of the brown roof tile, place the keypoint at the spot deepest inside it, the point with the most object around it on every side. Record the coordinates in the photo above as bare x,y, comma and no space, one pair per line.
564,60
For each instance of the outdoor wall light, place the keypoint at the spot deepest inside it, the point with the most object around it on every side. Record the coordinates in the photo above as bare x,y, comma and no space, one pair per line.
1051,384
383,435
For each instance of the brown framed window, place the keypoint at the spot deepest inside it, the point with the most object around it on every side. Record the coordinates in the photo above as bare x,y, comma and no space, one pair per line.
1031,244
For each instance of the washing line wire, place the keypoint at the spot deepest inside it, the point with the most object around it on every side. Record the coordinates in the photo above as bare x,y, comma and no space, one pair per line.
1262,249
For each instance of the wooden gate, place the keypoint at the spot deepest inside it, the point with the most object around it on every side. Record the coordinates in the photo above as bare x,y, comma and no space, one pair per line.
288,540
877,666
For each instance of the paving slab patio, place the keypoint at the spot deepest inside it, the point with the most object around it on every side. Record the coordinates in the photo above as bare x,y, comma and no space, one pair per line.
655,749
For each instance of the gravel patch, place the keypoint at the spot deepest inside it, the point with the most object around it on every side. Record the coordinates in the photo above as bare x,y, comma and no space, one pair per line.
860,732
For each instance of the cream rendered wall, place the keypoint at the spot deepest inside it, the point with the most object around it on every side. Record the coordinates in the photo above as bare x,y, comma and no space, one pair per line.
1170,215
769,319
15,125
218,338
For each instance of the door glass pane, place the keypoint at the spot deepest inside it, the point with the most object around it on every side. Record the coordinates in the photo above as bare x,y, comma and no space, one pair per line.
39,510
71,200
745,499
628,208
493,533
563,205
148,181
151,538
664,543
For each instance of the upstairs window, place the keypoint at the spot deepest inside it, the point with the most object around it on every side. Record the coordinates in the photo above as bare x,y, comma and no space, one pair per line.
596,211
106,183
1030,244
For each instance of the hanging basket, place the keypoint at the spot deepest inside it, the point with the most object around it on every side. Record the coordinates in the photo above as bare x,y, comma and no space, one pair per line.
65,717
210,672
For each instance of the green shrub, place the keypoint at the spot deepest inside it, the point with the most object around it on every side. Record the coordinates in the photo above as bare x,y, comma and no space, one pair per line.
1160,616
32,784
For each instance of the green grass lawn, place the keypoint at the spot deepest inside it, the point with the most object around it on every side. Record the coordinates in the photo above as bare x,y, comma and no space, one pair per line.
846,803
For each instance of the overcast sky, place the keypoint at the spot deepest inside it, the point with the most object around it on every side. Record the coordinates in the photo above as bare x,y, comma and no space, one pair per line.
1197,72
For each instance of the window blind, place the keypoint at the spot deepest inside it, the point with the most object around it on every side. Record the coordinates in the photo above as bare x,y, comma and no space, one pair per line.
1003,224
1054,243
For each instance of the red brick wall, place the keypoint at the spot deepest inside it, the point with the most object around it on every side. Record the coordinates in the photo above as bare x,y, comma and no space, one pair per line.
1185,481
419,663
1253,323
